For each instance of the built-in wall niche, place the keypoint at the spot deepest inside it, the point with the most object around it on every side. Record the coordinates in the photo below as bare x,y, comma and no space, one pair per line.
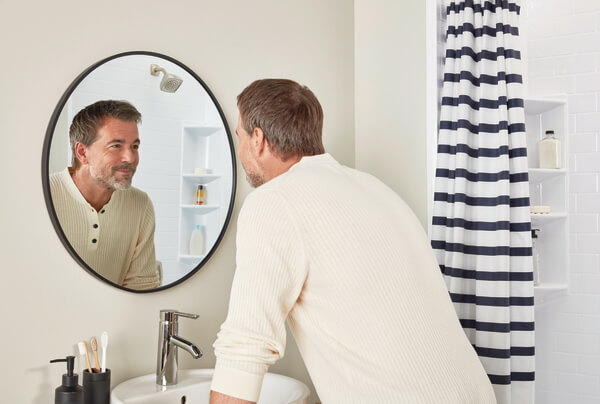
201,164
549,189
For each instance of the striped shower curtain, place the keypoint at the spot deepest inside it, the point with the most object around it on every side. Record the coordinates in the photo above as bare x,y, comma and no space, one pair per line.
481,220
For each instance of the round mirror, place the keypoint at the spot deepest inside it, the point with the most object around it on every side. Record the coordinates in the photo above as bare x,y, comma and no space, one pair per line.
174,171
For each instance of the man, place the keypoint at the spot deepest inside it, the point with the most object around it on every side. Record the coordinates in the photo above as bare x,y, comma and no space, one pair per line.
343,259
109,223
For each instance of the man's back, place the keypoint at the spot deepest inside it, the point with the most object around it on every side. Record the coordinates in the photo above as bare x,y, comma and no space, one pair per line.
348,262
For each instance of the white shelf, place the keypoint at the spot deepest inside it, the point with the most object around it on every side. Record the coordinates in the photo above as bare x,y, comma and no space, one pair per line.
547,217
537,175
200,130
205,208
203,178
535,106
548,292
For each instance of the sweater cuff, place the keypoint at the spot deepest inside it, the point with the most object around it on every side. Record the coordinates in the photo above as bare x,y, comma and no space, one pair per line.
236,383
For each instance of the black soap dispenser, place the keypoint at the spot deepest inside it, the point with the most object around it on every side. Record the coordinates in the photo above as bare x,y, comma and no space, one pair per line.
70,392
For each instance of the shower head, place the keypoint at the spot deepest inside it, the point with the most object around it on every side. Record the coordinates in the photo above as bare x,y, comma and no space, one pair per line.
169,83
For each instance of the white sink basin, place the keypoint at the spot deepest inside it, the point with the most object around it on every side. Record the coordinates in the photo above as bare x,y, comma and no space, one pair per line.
194,385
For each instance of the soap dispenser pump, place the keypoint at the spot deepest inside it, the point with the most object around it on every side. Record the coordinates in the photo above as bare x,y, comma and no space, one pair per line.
70,392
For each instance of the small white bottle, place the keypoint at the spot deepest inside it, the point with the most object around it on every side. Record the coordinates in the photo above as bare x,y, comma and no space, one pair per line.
536,257
197,241
549,149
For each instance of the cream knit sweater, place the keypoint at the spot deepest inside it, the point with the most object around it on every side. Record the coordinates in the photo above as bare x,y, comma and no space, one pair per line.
343,259
117,242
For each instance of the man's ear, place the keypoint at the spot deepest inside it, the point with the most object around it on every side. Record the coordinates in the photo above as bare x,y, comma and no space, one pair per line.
81,152
259,141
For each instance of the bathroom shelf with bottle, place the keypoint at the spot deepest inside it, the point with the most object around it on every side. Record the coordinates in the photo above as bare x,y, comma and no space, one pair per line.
201,146
549,187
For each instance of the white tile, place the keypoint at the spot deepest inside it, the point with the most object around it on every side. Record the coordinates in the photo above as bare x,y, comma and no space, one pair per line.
582,143
541,67
541,9
587,162
584,263
589,364
585,283
580,304
588,203
589,324
578,343
551,86
577,383
582,183
548,47
584,6
561,25
588,83
573,243
572,121
574,64
580,223
588,243
584,43
563,362
582,103
572,203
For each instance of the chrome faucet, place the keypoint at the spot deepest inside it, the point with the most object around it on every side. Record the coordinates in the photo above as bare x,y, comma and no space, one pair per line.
168,342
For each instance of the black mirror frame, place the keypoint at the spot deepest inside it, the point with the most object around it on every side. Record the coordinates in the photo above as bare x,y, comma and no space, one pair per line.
46,175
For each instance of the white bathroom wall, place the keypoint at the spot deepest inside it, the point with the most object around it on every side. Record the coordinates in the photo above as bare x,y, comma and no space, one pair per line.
49,302
563,56
390,96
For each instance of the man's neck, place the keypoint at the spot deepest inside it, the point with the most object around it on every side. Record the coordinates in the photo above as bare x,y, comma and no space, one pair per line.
95,194
276,166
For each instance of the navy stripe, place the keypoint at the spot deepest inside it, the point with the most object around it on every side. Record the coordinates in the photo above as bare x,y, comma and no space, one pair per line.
484,55
482,127
483,103
492,352
491,301
482,152
484,78
522,376
497,327
484,226
485,30
481,250
473,177
514,376
518,177
480,177
487,6
486,276
522,350
481,201
470,200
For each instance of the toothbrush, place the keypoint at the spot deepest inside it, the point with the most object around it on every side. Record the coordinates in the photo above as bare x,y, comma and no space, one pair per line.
94,345
83,351
104,342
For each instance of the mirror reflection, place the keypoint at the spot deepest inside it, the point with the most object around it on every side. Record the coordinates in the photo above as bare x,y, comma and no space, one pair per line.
140,171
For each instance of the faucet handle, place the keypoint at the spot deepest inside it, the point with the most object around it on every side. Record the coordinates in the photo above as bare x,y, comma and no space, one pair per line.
172,315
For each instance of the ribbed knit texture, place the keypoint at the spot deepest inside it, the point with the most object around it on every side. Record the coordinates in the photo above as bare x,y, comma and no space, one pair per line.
123,252
346,261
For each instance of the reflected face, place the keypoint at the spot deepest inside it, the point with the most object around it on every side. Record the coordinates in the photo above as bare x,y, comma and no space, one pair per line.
113,157
254,174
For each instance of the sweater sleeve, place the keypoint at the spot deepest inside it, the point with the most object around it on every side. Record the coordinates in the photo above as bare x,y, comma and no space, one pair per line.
270,271
143,272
